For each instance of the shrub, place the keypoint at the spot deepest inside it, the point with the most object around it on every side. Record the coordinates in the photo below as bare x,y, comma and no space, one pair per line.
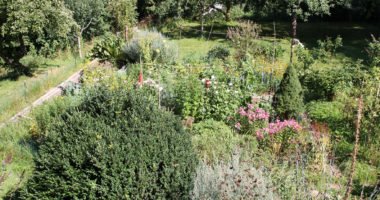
288,99
218,52
116,144
244,37
108,48
328,112
214,141
232,180
327,48
373,51
150,46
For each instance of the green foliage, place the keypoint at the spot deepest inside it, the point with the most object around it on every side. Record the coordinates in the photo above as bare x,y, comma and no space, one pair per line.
327,48
217,101
328,112
42,26
214,141
91,16
373,51
218,52
150,46
115,144
123,13
108,48
288,99
237,12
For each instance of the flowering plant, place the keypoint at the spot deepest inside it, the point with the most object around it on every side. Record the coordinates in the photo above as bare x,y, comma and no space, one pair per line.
249,119
277,135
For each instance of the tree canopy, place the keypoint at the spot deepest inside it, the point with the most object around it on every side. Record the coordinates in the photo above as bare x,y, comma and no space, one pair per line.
40,27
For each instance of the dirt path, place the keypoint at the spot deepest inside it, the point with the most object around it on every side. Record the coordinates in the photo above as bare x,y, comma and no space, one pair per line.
54,92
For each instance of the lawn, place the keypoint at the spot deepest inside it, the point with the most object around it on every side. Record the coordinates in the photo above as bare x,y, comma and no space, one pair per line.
355,36
16,94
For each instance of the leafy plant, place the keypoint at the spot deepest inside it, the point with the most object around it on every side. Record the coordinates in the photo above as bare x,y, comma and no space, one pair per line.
373,51
108,49
328,48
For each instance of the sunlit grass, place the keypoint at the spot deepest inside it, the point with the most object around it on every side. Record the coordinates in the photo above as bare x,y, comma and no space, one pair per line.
18,94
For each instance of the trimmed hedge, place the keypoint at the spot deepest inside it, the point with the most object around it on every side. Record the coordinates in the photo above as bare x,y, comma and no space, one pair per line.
114,145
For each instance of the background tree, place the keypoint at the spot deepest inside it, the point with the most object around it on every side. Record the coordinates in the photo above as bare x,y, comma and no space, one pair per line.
288,100
123,13
303,9
91,18
40,27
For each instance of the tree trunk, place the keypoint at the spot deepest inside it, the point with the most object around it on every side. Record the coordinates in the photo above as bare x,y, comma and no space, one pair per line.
227,14
79,38
294,34
356,149
202,20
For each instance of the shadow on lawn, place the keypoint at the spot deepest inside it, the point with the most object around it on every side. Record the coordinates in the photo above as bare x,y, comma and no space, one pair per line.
355,35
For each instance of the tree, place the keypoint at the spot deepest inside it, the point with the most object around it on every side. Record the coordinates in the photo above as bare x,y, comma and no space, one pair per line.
40,27
91,18
123,13
288,100
303,9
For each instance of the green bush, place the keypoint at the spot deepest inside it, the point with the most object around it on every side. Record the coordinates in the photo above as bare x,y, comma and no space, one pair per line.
327,48
150,46
116,144
373,51
328,112
288,99
218,52
214,141
108,48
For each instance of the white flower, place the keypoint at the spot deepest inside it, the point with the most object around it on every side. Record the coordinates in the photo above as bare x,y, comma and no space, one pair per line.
213,77
203,80
216,92
230,84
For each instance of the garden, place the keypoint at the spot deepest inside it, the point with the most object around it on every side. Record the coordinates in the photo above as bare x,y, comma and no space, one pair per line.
220,108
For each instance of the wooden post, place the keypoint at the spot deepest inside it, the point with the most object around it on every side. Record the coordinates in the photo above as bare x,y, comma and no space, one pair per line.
356,149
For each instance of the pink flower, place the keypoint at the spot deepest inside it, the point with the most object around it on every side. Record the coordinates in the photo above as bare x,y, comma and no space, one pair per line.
259,135
242,111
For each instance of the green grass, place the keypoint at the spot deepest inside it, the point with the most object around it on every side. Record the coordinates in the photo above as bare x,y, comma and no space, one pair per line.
18,94
196,48
15,145
355,36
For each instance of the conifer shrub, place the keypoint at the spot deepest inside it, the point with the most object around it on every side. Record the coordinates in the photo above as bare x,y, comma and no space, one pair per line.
115,145
288,100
